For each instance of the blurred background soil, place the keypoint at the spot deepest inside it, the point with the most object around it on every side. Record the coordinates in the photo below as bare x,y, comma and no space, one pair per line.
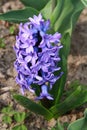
77,67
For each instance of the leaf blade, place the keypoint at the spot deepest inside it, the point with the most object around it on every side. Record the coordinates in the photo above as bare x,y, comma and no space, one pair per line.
34,107
79,124
37,5
18,16
47,10
76,99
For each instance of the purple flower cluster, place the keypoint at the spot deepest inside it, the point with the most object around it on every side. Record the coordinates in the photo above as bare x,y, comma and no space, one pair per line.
37,56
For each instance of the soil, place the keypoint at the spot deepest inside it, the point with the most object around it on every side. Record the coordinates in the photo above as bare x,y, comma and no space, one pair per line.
77,68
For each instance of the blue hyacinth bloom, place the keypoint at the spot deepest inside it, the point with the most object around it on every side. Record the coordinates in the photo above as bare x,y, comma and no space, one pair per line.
37,56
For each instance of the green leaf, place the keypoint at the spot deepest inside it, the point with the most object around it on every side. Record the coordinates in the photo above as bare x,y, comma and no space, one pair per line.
6,119
65,20
8,111
84,2
80,124
56,12
34,107
53,129
37,89
65,125
39,4
76,99
72,87
58,87
58,126
71,10
12,29
2,43
18,16
19,127
47,10
62,79
19,117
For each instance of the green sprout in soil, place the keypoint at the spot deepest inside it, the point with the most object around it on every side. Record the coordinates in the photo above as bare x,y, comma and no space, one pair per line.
2,43
14,119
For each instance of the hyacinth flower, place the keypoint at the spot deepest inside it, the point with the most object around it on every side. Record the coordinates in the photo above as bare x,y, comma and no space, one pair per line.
37,57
